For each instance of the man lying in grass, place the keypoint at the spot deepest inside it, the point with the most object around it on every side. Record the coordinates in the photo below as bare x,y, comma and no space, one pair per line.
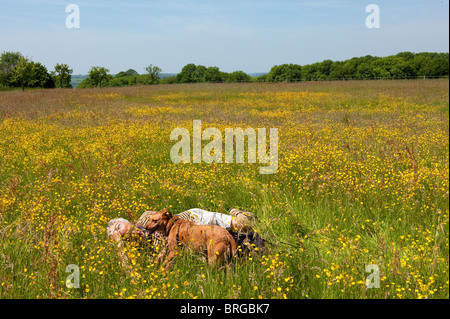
238,223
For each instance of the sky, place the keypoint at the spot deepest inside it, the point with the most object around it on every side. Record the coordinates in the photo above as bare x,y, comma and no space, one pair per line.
247,35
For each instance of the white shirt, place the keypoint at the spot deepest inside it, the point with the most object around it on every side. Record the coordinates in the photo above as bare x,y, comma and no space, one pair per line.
204,217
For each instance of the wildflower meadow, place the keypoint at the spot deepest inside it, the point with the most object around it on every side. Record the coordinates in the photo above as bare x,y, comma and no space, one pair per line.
357,208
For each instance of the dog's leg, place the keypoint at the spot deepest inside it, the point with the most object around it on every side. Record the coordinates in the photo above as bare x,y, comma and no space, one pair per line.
161,255
212,258
216,254
169,261
173,251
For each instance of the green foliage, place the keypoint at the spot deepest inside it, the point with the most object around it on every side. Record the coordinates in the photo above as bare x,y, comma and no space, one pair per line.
86,83
285,73
213,74
42,78
153,74
187,74
123,78
22,75
402,65
99,76
168,80
18,71
192,73
129,72
238,76
140,79
8,62
31,74
62,76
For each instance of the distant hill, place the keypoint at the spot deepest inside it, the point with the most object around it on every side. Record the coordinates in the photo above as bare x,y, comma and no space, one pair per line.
256,74
77,79
166,75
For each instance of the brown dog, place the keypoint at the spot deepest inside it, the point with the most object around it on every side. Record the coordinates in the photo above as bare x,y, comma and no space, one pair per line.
216,241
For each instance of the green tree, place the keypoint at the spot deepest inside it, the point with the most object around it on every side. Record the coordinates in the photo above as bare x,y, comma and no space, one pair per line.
42,78
62,75
8,63
99,76
336,71
381,73
199,74
238,76
31,74
153,73
213,74
349,68
406,56
187,74
311,72
285,73
86,83
128,72
23,74
433,64
364,71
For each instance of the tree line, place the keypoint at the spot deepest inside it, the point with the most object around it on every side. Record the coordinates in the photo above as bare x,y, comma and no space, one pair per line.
100,77
190,73
401,65
19,71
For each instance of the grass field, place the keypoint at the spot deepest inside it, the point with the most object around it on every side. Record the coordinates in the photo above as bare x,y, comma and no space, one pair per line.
362,182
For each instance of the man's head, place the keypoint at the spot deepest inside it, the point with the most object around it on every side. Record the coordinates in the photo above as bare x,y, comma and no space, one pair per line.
241,221
120,227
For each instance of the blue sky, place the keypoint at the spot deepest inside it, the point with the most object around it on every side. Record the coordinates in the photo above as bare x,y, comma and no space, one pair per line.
248,35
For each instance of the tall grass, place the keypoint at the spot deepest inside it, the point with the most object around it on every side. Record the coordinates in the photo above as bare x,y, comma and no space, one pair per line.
362,180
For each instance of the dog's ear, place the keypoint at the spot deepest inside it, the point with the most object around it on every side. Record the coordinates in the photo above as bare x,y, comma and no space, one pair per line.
166,214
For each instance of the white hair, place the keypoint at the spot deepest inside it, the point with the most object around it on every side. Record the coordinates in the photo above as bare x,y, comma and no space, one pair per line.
112,222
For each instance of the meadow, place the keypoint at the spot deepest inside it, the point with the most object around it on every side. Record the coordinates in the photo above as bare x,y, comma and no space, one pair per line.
362,184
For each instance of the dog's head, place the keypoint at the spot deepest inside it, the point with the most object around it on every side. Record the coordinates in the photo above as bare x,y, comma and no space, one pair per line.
158,221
